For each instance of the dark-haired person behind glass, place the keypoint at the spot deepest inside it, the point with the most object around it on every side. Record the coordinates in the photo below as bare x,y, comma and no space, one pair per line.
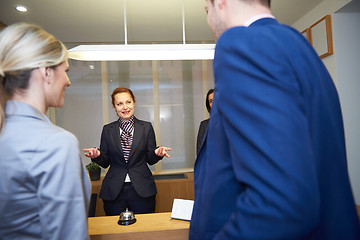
204,123
127,145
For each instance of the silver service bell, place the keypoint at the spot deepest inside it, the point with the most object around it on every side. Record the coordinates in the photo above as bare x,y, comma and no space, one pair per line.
127,218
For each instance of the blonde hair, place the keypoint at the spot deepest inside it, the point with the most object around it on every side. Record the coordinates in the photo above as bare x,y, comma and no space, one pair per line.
24,47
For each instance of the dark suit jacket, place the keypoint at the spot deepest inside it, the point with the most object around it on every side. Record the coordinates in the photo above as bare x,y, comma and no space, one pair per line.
142,152
201,134
273,163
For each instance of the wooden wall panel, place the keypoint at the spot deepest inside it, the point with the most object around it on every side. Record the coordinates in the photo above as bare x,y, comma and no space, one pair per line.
168,189
174,188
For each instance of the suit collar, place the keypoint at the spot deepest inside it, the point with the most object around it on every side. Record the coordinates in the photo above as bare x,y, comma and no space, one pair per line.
257,17
138,133
264,21
115,133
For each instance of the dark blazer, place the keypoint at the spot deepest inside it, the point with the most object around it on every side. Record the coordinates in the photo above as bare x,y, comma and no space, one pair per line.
273,163
142,152
201,134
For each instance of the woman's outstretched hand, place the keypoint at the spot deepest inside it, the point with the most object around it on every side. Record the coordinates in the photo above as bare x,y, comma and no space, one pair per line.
162,151
92,152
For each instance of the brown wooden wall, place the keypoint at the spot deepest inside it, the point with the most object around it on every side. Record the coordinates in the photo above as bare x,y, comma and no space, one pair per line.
168,189
173,188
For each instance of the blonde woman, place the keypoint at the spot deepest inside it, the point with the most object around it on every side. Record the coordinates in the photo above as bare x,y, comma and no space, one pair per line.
44,189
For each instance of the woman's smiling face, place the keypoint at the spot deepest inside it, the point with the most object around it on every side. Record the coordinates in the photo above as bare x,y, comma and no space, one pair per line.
124,105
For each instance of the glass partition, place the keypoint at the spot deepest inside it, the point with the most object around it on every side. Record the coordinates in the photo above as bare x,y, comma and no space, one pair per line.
169,94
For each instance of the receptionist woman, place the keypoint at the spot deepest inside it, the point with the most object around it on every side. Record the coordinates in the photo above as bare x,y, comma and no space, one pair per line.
127,146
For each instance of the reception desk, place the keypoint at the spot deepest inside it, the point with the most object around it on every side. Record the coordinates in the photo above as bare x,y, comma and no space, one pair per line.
169,186
155,226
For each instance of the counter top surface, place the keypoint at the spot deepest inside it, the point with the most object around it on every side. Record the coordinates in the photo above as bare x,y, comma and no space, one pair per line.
144,223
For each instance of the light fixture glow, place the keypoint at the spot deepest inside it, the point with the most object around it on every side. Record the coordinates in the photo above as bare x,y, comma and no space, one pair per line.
138,52
142,52
21,8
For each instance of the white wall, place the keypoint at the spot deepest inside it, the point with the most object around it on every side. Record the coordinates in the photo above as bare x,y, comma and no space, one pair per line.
324,8
344,68
346,42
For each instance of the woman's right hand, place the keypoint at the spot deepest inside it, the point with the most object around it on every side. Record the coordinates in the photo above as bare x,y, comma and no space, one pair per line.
92,152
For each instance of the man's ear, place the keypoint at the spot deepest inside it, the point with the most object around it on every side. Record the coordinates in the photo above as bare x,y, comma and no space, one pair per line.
220,3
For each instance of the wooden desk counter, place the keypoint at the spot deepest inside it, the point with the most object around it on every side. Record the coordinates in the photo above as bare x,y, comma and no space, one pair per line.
147,226
167,191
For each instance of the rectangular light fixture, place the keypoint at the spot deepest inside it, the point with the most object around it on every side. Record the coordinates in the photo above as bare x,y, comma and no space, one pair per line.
138,52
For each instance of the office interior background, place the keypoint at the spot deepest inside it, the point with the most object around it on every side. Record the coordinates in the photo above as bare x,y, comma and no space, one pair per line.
171,94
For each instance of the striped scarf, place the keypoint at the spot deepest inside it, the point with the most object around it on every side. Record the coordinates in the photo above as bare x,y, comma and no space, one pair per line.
126,137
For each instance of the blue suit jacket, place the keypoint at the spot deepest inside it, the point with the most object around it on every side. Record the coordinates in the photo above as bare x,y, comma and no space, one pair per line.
142,152
273,163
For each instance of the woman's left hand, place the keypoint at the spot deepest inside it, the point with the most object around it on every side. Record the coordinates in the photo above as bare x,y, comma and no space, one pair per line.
161,151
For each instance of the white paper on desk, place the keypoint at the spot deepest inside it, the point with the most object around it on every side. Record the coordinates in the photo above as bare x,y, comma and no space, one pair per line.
182,209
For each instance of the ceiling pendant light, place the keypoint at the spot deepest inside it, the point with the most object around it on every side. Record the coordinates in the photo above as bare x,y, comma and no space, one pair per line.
142,52
133,52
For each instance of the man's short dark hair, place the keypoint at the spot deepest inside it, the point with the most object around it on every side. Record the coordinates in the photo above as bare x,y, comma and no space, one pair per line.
263,2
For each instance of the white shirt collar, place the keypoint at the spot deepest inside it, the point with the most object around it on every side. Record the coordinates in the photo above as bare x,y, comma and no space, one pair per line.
257,17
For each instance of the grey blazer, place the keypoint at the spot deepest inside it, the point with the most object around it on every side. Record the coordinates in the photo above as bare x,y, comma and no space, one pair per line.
44,188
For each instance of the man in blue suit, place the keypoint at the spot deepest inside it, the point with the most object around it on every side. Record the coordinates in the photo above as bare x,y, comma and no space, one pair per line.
273,162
